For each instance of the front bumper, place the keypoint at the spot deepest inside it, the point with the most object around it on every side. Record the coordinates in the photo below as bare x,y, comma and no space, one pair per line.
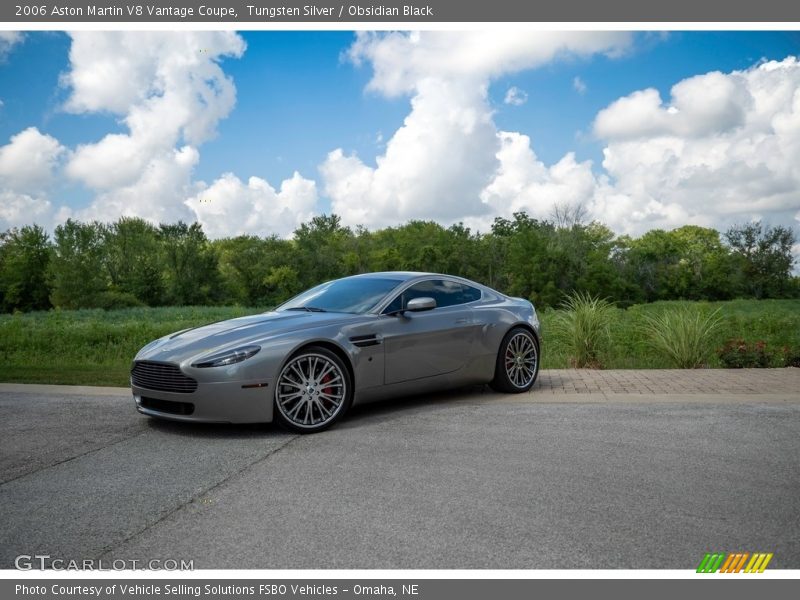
226,402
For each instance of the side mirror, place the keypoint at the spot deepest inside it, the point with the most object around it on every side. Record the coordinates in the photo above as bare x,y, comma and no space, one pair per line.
420,304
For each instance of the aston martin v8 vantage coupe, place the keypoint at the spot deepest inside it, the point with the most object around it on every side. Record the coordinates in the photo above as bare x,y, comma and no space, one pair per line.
340,343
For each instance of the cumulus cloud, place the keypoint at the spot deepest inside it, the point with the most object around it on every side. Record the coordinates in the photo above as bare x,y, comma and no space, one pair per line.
231,207
18,209
515,96
156,194
27,166
433,166
28,160
725,148
170,92
523,182
439,162
401,60
9,39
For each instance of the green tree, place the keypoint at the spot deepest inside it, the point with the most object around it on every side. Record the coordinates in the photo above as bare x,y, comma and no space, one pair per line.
134,259
764,259
530,271
705,266
321,246
257,271
650,261
76,274
191,265
24,258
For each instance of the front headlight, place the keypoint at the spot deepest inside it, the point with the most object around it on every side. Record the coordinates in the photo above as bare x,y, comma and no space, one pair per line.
228,357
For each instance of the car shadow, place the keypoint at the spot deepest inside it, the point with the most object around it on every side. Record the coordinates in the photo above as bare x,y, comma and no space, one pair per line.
431,401
358,414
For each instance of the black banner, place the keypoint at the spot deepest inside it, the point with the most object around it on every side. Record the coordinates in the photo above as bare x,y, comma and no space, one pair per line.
732,588
407,11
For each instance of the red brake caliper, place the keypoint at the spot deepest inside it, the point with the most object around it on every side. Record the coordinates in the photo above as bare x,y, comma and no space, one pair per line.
326,379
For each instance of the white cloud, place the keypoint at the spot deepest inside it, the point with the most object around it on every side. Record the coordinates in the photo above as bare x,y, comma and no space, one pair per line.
439,162
726,148
170,93
9,39
229,207
28,160
401,60
700,105
156,194
434,166
523,182
18,209
579,85
515,96
27,165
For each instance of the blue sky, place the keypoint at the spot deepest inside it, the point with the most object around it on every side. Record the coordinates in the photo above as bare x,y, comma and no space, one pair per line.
299,97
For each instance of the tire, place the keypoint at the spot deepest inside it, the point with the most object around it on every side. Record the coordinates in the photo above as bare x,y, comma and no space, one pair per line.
313,391
517,365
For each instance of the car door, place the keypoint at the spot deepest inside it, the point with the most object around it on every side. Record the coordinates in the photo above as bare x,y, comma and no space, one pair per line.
427,343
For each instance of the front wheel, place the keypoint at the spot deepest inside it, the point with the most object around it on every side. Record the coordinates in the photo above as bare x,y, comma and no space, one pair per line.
517,362
313,391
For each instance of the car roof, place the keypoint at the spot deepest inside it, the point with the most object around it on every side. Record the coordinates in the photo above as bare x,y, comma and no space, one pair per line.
398,275
405,276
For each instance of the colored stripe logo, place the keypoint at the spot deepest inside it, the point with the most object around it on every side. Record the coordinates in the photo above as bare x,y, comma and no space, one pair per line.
734,562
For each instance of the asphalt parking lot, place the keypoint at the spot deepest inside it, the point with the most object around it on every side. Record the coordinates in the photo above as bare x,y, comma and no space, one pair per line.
625,469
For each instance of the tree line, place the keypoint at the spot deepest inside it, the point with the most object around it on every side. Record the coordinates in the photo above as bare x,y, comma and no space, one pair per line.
132,262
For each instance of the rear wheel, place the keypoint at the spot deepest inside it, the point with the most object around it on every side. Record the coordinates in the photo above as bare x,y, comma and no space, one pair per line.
517,362
313,391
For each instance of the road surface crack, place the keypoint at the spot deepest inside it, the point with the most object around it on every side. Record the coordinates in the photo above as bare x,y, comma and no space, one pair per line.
182,505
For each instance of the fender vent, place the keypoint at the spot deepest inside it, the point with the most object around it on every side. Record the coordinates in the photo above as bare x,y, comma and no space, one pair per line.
362,341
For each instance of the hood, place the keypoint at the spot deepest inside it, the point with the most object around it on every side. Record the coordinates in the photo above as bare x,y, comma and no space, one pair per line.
232,333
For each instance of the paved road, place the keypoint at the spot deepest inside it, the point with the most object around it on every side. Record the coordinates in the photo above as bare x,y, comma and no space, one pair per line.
590,470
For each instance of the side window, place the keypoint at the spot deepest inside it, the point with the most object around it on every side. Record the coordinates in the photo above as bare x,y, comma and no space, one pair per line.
446,293
394,305
471,294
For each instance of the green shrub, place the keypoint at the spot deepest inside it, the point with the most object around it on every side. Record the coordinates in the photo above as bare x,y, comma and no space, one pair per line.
791,356
739,354
112,300
682,335
582,328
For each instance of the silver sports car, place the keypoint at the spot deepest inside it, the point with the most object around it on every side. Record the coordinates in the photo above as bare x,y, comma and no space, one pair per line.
340,343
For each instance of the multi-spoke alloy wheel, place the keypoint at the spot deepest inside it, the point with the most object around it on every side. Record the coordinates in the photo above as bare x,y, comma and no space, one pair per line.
312,391
517,362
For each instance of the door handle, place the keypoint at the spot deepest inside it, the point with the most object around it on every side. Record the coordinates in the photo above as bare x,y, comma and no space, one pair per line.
461,321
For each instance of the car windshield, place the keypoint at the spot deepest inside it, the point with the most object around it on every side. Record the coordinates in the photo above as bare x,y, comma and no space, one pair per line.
350,295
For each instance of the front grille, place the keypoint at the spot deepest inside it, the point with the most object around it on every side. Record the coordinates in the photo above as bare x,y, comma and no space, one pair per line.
162,377
167,406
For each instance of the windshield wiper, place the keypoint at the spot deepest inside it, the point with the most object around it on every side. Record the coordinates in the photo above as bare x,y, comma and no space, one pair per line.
308,308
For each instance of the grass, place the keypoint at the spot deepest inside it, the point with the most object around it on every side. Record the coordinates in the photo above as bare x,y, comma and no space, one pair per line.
682,335
776,322
90,347
95,347
583,329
